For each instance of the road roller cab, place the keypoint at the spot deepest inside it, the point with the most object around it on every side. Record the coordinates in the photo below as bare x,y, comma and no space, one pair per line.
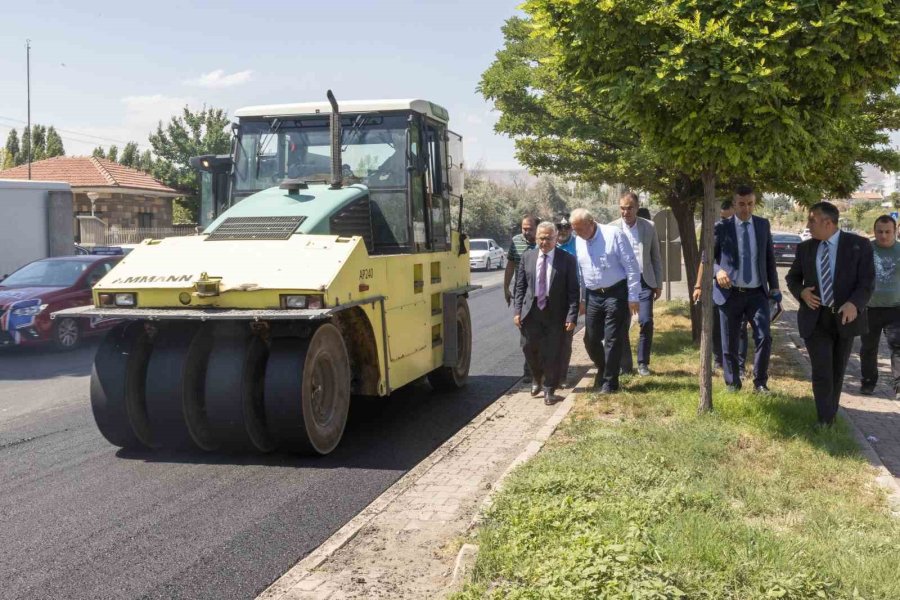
328,268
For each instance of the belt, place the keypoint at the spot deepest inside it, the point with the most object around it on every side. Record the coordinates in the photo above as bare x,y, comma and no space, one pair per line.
745,290
619,284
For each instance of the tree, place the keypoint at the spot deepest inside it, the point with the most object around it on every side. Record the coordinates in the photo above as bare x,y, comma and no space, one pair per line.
99,152
113,153
130,156
11,149
25,152
54,144
38,142
191,134
727,90
146,161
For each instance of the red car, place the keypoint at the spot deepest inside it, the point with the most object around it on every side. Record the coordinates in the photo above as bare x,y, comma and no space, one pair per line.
31,294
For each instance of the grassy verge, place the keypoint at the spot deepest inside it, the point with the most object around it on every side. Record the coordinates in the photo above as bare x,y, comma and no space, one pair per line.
638,497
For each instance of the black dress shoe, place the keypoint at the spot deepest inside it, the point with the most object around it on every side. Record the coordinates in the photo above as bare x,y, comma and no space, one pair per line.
549,397
761,389
607,389
535,390
867,389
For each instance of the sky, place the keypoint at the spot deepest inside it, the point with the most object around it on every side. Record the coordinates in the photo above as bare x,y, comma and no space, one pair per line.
106,73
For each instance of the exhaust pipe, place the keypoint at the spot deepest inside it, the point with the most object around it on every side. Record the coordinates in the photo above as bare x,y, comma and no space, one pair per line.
337,171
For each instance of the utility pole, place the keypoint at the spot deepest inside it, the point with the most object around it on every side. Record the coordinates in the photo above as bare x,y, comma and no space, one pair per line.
28,81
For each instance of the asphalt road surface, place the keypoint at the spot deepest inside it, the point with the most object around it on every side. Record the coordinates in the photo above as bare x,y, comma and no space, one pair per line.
80,518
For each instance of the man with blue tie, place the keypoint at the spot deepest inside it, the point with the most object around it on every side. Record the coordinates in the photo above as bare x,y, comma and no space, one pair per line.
745,279
612,286
832,276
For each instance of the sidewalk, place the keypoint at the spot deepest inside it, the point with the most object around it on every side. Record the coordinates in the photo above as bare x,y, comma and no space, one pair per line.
404,544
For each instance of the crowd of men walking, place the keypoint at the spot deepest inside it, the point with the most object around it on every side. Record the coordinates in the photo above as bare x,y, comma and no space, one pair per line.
845,284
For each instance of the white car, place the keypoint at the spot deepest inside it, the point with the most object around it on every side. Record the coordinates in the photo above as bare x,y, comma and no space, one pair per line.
805,235
486,254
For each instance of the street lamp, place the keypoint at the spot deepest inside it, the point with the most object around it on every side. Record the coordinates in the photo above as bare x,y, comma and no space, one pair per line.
92,196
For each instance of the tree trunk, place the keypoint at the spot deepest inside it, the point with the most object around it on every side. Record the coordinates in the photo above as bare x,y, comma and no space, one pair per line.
706,337
683,210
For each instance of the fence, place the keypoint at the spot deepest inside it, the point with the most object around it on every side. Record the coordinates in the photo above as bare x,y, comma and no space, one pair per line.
94,232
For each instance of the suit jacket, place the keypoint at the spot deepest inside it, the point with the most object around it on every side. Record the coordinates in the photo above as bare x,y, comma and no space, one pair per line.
854,281
727,258
651,269
562,296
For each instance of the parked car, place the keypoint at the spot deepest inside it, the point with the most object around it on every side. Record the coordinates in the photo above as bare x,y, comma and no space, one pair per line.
785,245
486,254
805,235
31,294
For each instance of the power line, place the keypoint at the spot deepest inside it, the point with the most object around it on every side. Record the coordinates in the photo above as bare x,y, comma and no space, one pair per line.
66,138
79,133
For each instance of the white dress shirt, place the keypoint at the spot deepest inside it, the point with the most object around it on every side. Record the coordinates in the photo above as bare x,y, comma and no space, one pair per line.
606,259
549,258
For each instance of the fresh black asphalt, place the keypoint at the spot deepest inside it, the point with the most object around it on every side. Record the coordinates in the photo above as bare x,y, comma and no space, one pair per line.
80,518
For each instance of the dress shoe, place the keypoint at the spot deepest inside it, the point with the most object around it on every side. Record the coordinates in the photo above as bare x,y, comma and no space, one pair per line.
598,380
606,389
867,389
731,387
761,389
626,371
535,390
643,370
549,397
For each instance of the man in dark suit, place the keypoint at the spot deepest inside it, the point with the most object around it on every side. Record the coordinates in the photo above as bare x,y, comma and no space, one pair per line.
832,277
546,307
746,277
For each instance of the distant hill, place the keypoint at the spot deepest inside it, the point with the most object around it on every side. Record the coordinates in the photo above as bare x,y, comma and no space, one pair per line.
507,177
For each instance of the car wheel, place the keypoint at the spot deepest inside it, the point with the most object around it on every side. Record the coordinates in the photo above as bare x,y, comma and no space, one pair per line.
66,334
487,265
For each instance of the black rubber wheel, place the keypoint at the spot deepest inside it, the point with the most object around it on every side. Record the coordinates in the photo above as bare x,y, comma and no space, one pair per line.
166,373
194,390
452,378
66,333
117,386
308,391
235,374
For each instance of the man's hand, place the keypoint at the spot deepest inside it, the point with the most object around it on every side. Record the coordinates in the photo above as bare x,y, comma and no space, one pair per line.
657,292
581,309
848,313
775,294
518,321
507,296
570,327
634,306
723,279
811,299
696,295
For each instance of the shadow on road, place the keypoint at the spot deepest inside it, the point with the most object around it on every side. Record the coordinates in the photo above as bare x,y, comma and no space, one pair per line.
43,362
394,433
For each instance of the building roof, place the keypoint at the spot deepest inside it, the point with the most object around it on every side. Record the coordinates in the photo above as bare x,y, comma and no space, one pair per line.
350,107
866,195
90,173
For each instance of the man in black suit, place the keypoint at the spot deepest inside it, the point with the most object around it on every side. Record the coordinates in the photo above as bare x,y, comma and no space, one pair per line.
746,277
546,307
832,277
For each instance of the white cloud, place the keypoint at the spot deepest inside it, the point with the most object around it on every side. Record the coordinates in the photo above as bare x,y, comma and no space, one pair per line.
218,79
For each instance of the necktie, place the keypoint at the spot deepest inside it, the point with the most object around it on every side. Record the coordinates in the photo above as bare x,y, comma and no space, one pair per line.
825,267
542,283
746,260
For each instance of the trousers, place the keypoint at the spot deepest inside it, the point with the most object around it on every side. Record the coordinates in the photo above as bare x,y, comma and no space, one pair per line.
605,327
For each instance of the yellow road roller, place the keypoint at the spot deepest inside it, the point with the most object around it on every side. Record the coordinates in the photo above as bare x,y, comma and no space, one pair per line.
329,268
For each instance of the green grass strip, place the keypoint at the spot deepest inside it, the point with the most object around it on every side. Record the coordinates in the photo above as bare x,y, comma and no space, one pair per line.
638,497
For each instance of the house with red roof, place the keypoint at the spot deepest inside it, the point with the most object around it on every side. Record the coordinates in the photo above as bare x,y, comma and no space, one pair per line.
121,196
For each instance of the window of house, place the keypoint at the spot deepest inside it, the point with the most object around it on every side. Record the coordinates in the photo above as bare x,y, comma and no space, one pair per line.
145,219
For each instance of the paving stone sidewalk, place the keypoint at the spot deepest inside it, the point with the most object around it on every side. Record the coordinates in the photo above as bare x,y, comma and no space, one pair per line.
404,545
877,417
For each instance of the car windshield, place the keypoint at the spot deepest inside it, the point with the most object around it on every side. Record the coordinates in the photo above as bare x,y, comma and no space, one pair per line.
47,273
373,151
786,238
478,245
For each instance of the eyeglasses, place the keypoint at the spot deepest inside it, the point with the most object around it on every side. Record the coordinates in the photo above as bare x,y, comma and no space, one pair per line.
544,238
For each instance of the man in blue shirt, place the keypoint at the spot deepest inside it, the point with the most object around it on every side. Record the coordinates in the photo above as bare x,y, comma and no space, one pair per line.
611,280
745,279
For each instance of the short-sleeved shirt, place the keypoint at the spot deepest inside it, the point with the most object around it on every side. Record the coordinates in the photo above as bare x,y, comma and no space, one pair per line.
887,276
518,247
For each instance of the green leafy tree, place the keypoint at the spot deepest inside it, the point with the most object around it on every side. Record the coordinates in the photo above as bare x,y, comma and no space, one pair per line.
146,161
99,152
113,153
38,142
54,144
727,90
191,134
24,153
130,156
11,150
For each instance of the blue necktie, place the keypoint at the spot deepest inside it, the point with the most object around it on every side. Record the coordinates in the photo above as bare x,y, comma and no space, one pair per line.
542,283
746,261
825,267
